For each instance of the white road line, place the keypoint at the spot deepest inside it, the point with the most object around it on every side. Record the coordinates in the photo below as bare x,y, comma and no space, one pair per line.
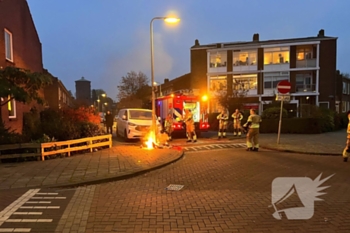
38,202
46,198
39,207
47,194
27,213
9,210
15,229
29,220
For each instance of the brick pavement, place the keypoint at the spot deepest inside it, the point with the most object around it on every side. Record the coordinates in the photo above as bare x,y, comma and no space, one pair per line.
104,165
331,143
228,191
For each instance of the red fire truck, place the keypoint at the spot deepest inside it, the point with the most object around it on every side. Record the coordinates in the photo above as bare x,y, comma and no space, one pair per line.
176,104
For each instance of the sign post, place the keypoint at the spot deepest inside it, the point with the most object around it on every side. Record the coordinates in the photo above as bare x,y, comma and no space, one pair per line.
283,87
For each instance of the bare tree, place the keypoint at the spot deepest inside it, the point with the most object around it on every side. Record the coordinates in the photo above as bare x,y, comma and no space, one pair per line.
131,84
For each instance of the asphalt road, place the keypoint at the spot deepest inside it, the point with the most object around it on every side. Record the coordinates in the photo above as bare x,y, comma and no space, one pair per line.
224,190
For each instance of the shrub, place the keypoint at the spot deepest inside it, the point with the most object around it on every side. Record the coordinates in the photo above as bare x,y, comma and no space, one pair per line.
8,136
274,113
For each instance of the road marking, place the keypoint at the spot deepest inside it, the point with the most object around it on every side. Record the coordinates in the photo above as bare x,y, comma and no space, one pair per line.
29,220
48,198
47,194
15,229
38,202
39,207
27,213
9,210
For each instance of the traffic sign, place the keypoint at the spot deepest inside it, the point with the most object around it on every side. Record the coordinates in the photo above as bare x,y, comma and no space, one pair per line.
283,87
283,97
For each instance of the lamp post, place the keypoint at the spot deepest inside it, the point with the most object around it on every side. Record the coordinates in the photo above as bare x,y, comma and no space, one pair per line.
169,20
98,100
160,88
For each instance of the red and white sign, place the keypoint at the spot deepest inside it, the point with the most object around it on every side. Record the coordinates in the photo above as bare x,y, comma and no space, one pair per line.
283,87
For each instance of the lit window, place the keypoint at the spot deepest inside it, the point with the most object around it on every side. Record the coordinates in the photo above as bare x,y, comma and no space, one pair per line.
11,106
276,56
304,53
218,59
244,58
244,82
8,45
218,83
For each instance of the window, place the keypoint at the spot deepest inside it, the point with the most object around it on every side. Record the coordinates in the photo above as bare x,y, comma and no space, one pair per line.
8,45
303,82
244,82
218,83
11,106
344,88
304,53
272,79
218,59
244,58
324,105
343,106
276,55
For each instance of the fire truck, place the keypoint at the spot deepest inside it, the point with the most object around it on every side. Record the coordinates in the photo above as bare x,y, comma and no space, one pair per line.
177,102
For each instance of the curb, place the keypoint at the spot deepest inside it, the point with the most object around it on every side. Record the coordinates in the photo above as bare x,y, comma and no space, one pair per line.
301,152
116,178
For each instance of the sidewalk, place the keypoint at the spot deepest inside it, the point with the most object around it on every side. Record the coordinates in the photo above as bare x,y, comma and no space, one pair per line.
331,143
118,162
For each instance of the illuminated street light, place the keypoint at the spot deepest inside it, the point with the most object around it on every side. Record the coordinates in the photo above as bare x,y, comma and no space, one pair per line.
168,20
160,87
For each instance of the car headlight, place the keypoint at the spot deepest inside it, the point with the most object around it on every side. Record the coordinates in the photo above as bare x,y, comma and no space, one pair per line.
131,124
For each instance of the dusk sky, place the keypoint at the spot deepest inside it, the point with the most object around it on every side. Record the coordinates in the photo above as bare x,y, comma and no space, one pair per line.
103,40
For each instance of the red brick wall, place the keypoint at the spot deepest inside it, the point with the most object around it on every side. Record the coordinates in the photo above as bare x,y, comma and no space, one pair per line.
328,62
15,16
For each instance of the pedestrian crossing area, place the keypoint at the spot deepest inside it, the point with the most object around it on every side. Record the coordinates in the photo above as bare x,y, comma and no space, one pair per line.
32,212
214,147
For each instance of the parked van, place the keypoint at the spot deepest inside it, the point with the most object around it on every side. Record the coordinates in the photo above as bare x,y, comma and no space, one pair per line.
134,123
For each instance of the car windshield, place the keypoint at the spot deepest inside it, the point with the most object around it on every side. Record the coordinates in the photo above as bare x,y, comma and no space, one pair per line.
140,115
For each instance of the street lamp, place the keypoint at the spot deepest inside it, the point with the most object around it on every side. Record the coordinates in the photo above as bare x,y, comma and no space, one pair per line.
98,100
160,88
168,20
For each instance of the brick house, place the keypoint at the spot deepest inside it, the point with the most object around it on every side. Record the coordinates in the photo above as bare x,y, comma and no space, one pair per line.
309,64
19,47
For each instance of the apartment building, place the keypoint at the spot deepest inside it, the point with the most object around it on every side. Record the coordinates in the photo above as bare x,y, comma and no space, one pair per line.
256,67
19,47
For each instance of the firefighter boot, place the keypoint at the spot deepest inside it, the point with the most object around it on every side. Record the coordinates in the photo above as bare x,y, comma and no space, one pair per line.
239,133
219,135
224,134
234,133
194,137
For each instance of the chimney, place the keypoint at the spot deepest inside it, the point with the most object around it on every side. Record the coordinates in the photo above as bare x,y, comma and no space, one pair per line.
218,45
321,33
166,80
256,37
196,42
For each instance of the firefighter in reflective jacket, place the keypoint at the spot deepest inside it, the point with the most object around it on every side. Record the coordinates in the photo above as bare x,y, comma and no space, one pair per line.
237,118
168,125
223,120
253,123
190,129
346,152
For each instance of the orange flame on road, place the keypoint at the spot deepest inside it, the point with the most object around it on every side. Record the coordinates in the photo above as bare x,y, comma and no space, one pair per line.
150,140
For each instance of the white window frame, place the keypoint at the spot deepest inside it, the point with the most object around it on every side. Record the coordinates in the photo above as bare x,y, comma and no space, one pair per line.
217,59
8,45
251,58
279,50
13,107
324,102
275,76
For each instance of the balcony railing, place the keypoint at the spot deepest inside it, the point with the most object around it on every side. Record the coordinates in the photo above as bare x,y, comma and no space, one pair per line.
306,63
305,88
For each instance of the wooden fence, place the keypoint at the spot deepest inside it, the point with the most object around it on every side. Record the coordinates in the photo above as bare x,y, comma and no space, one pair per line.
41,150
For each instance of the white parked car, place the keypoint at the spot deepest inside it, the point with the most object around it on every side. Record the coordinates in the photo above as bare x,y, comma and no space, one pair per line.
134,123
